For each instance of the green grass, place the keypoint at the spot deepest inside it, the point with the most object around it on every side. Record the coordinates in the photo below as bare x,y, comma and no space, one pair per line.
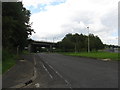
25,52
0,61
97,55
8,60
0,67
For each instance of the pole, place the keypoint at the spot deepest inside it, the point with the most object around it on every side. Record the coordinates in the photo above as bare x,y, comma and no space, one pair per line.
53,44
88,41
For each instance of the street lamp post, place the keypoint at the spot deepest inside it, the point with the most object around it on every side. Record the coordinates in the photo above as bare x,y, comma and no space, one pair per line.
88,40
53,42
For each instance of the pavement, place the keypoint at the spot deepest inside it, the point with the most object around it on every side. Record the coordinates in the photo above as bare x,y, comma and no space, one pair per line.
20,74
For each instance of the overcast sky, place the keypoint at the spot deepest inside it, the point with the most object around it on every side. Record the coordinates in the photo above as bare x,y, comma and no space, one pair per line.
55,18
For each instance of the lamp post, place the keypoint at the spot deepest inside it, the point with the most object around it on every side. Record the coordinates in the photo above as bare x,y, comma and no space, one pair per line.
53,43
88,40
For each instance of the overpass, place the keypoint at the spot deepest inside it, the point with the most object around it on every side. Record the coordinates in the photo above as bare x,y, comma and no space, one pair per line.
39,46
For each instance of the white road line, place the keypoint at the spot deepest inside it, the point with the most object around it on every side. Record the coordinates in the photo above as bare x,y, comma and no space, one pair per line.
68,84
47,71
55,71
37,85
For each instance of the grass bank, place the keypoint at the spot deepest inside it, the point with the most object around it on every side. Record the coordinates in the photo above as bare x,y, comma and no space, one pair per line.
8,60
97,55
0,67
0,61
25,52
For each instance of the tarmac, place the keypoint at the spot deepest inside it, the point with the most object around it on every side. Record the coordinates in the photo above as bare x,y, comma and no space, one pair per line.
20,74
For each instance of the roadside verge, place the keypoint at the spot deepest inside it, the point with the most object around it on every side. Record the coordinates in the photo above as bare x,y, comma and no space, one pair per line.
23,73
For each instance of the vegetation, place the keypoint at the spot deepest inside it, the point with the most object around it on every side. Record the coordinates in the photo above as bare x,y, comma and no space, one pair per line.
79,42
16,29
15,25
9,60
25,52
0,61
0,68
98,55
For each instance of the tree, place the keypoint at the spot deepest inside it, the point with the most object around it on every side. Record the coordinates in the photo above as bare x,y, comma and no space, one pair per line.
79,42
66,43
98,43
15,25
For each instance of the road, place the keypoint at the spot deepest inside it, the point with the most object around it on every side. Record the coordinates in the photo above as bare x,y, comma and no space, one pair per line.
56,70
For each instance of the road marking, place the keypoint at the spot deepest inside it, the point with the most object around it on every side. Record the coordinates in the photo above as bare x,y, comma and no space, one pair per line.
47,71
55,70
68,83
37,85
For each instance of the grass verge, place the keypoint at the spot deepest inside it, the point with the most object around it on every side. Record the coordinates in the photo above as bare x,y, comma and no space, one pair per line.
97,55
0,67
8,60
25,52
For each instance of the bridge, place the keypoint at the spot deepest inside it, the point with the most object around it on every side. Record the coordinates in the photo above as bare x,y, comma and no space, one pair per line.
41,46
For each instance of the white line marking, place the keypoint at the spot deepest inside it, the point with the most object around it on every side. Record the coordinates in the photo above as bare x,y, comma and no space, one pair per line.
37,85
55,70
47,71
50,66
68,84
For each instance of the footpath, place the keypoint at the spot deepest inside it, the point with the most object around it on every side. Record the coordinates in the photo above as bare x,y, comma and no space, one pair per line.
21,74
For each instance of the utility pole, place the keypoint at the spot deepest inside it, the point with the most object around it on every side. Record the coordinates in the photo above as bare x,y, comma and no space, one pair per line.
53,44
88,40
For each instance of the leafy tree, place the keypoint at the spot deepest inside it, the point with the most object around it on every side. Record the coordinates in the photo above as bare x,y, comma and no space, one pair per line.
79,42
66,43
15,25
99,44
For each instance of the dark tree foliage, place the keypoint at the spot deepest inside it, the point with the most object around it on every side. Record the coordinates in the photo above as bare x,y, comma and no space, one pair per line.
79,42
15,25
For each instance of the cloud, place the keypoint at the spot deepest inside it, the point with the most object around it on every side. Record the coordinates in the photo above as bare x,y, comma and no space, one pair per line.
73,16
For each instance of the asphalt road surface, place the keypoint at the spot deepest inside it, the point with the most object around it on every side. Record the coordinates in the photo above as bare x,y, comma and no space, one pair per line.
56,70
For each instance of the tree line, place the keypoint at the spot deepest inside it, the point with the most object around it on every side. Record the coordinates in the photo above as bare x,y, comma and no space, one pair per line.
79,42
16,27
